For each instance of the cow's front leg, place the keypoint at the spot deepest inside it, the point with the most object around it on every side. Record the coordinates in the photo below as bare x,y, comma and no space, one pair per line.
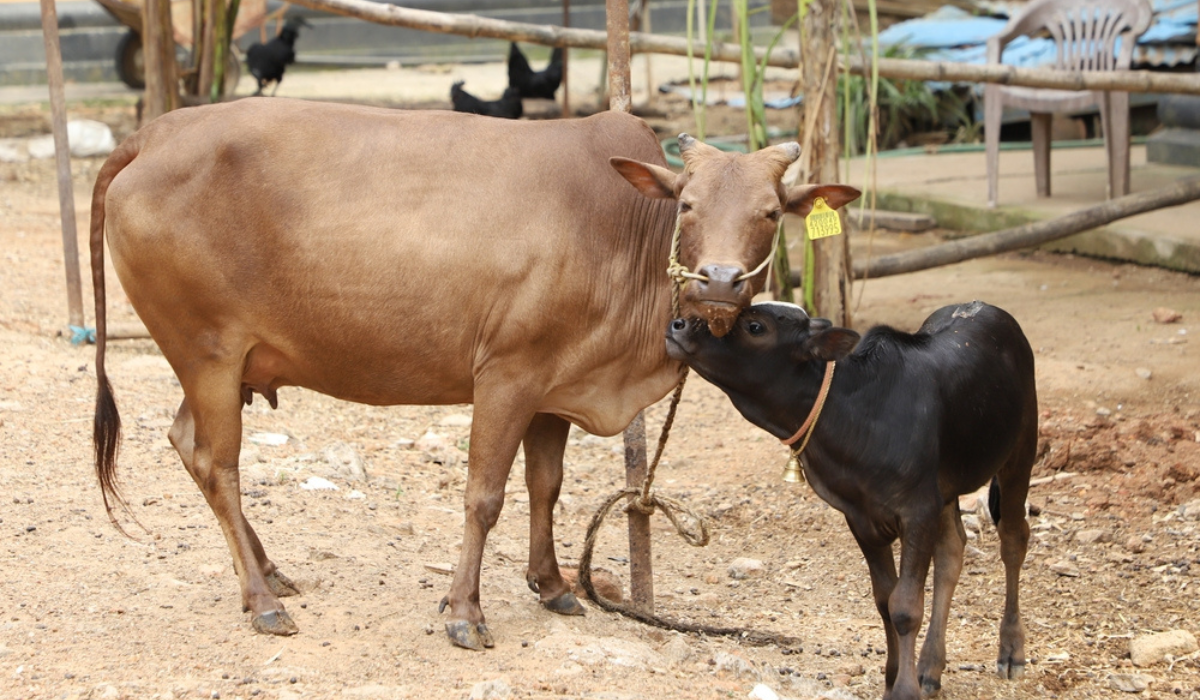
544,444
496,432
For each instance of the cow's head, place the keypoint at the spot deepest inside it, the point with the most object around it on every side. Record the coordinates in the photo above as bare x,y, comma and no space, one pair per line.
729,207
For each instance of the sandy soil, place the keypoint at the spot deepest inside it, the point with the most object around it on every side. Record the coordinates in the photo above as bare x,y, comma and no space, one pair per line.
87,612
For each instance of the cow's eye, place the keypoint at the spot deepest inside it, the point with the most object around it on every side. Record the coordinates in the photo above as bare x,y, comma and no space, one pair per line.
775,215
756,328
684,207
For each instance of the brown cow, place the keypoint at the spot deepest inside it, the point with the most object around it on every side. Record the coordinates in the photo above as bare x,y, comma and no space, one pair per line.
392,257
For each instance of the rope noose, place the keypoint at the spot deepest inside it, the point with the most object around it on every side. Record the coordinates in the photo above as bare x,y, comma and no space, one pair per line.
645,501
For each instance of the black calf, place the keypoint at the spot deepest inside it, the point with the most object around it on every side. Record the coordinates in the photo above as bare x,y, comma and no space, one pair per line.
911,421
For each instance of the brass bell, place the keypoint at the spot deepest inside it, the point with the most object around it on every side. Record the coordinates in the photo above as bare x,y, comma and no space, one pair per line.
792,473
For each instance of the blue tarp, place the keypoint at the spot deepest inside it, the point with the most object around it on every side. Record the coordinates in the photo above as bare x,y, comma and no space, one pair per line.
952,34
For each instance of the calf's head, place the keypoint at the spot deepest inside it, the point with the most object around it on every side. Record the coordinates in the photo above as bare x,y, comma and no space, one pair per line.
729,207
761,363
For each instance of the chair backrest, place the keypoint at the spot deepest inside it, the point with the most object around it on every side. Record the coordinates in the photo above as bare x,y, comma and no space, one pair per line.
1084,32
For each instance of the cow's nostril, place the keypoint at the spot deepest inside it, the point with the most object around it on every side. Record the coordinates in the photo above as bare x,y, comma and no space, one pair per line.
679,325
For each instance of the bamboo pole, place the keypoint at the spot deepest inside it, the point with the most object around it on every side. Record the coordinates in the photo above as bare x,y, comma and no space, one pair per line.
475,26
1032,234
158,53
62,154
566,86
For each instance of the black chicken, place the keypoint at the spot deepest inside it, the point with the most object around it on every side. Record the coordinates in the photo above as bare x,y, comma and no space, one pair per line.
532,83
507,107
268,61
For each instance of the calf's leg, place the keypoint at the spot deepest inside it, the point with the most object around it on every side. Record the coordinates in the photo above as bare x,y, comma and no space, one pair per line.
947,565
906,605
1013,483
544,442
883,581
500,421
207,434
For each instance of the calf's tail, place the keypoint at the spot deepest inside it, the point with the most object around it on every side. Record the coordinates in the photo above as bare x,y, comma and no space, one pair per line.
994,500
106,432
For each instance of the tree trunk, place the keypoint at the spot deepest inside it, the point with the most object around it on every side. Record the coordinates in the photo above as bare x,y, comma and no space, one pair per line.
158,54
831,255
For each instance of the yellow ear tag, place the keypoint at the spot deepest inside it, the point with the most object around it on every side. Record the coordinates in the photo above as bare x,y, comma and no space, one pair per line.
822,221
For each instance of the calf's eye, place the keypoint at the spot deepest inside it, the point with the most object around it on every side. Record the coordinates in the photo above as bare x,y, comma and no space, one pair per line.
756,328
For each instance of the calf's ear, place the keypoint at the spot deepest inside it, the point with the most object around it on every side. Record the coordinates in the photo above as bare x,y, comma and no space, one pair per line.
651,180
800,198
830,344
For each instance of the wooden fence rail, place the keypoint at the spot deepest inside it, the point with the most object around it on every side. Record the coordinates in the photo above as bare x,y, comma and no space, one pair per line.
477,26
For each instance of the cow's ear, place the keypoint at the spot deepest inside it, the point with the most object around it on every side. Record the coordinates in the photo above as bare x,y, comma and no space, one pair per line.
800,198
830,344
651,180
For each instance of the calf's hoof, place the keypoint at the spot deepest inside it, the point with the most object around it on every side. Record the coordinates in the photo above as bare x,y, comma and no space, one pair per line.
281,585
469,636
1010,669
276,622
565,604
930,687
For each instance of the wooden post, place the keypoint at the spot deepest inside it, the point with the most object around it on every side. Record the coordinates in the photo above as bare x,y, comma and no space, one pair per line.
831,255
641,581
158,52
566,88
62,154
617,12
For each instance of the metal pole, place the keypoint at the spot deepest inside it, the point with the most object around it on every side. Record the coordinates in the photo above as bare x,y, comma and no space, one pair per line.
641,580
62,153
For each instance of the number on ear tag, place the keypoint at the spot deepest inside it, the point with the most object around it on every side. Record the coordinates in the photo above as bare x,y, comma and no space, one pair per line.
822,221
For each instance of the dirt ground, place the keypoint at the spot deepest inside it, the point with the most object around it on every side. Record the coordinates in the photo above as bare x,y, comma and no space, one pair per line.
87,612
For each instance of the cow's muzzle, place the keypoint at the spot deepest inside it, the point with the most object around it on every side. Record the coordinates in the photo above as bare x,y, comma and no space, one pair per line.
717,295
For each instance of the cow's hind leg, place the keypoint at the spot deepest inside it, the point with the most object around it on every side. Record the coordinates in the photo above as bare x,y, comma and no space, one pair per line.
947,565
496,434
544,444
207,434
1007,498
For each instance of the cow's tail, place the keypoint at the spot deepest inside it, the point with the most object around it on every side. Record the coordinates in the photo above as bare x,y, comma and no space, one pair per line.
994,500
106,435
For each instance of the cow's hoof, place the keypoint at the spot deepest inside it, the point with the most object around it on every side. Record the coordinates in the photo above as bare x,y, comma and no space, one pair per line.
469,636
281,585
1011,670
565,604
276,622
930,687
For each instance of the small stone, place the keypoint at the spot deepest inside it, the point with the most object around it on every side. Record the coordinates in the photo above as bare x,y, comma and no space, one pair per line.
1151,649
345,461
1164,315
1129,682
1093,536
732,663
1065,568
1190,510
972,552
606,583
1104,412
430,441
455,420
1143,373
495,689
971,522
763,692
316,483
743,568
274,439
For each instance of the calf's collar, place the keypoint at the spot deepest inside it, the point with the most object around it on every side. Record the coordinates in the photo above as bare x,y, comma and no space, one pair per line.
810,423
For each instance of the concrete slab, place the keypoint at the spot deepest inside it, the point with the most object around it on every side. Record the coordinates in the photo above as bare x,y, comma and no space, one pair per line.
952,187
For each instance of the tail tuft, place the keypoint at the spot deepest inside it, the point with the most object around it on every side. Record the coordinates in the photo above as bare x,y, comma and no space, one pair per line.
994,500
